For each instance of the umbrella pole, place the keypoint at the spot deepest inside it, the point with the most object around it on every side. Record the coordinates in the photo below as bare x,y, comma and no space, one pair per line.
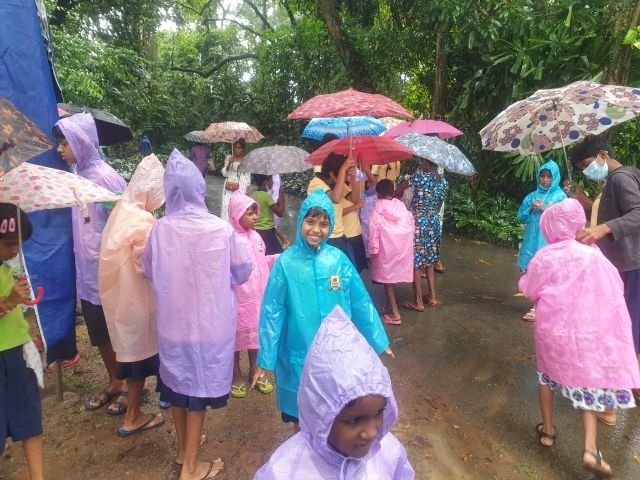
564,149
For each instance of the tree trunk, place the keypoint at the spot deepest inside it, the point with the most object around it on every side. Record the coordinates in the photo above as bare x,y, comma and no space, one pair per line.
624,17
439,103
354,65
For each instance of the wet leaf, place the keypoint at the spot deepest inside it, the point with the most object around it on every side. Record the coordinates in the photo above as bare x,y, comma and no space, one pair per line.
484,262
519,294
637,458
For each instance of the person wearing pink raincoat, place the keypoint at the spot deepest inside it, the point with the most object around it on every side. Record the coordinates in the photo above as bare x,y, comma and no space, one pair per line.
78,145
242,210
346,414
127,298
584,344
193,260
391,231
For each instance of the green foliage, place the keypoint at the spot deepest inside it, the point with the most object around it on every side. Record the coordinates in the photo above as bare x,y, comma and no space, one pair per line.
296,183
487,217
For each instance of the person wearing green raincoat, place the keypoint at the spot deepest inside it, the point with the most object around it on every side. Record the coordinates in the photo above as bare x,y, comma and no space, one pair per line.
307,281
548,191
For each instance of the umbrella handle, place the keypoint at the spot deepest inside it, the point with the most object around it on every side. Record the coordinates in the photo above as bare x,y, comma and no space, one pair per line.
37,299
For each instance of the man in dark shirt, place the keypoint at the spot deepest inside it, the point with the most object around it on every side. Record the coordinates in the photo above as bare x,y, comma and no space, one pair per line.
618,230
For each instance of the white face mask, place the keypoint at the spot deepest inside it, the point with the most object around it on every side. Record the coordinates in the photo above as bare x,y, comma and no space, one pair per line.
595,171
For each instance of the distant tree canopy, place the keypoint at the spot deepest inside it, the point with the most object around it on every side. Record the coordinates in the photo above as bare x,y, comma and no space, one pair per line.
179,65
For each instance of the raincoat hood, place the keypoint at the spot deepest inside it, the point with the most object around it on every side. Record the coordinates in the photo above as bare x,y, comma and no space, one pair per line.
80,131
184,187
316,199
555,177
390,209
145,190
562,221
326,386
238,205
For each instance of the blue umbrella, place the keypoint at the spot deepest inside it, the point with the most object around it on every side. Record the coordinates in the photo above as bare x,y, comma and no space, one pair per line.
342,127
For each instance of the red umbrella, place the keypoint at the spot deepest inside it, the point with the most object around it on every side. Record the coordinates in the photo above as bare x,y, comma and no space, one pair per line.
349,103
365,150
424,127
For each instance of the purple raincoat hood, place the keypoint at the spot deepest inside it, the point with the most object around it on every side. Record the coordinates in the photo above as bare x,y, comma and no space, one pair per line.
80,131
562,221
327,386
238,205
184,187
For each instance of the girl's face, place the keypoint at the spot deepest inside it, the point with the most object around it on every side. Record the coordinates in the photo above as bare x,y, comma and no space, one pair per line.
238,149
315,229
249,218
356,427
8,249
64,149
545,179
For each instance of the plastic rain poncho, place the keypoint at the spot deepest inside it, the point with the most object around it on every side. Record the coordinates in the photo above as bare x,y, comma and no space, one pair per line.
326,387
249,294
391,232
127,298
80,131
582,329
304,286
532,241
193,259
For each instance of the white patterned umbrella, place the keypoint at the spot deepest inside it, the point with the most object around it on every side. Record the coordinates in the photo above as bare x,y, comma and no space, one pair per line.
439,152
230,132
275,159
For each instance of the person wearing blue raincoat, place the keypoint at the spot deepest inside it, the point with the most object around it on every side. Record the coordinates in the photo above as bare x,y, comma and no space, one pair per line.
305,285
531,210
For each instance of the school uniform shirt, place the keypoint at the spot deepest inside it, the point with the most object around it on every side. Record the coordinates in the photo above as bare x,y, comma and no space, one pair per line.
304,286
317,183
264,200
14,330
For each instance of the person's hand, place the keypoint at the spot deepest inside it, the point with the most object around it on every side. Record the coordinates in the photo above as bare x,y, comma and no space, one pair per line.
589,236
259,375
348,167
6,306
359,205
541,207
389,352
20,292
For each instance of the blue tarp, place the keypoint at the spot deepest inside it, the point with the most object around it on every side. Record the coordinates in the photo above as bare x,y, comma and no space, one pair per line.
26,81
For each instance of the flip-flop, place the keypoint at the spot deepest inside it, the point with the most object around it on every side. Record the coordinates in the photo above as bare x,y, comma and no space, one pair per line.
264,386
239,391
96,401
209,475
412,306
389,320
597,467
154,421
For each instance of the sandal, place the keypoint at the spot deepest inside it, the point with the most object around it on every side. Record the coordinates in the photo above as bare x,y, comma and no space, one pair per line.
119,407
389,320
99,400
541,434
239,391
597,468
212,473
264,386
154,421
412,306
530,316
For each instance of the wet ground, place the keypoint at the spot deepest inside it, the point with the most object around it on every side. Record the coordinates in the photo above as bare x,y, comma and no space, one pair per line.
464,377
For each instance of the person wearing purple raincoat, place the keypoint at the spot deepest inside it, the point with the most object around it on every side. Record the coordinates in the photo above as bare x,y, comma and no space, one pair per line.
78,145
200,155
193,260
331,446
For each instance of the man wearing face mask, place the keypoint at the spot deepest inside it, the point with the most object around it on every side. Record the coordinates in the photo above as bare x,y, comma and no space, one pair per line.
618,230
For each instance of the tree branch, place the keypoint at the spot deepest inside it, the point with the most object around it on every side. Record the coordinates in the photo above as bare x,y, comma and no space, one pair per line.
217,66
241,25
265,22
189,7
287,7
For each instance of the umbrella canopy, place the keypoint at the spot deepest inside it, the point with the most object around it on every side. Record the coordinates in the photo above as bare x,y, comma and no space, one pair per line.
111,130
230,132
342,127
349,103
390,122
366,150
20,138
553,118
439,152
197,136
275,159
34,187
424,127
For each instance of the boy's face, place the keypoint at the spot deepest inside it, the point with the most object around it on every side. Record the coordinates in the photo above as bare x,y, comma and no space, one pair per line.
545,179
64,149
356,427
8,249
249,218
315,230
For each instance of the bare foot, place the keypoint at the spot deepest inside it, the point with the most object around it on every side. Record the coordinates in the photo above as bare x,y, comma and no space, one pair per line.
180,459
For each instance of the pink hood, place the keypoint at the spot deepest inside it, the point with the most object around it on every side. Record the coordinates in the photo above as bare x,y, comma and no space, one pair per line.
238,205
562,221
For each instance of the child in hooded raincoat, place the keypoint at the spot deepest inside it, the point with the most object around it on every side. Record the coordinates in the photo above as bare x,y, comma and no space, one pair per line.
584,344
243,215
193,260
346,414
307,281
392,228
547,193
78,145
127,298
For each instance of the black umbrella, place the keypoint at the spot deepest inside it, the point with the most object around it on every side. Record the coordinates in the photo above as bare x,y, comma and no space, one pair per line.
111,130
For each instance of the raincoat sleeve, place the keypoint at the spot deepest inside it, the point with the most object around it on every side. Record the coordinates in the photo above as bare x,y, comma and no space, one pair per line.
404,470
374,235
271,260
533,281
363,313
524,212
138,244
241,263
146,260
272,317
